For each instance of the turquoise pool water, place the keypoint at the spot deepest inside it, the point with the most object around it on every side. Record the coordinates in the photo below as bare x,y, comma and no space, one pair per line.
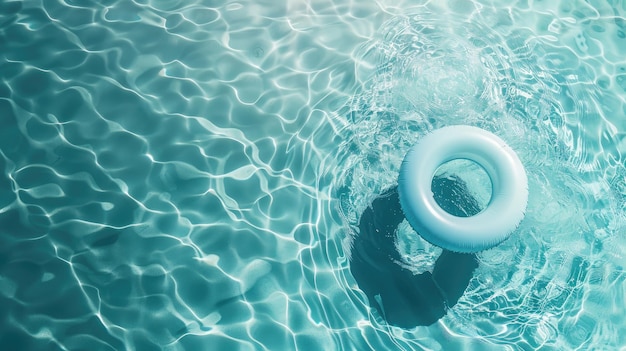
188,175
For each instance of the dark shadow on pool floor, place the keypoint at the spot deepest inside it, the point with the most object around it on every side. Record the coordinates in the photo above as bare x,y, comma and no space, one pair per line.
405,299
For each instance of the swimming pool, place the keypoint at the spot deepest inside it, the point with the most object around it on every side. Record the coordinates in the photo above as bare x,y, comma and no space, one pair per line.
188,175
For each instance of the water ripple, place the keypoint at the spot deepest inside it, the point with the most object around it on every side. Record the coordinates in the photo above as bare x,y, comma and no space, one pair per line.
541,94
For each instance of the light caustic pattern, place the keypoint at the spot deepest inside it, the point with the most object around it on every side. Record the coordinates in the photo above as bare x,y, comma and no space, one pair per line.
183,175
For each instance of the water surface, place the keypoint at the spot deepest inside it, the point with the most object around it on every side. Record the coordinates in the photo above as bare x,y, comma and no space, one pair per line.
188,175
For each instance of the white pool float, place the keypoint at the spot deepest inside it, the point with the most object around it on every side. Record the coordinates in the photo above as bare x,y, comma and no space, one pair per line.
471,234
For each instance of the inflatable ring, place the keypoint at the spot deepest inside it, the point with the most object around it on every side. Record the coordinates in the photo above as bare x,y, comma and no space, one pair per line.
471,234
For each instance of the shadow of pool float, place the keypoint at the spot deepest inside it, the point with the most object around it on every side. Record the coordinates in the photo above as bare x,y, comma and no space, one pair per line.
403,298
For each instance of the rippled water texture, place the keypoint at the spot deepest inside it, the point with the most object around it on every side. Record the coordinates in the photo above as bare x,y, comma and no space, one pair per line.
186,175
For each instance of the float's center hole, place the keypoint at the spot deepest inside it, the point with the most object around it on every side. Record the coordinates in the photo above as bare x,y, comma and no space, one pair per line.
462,187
